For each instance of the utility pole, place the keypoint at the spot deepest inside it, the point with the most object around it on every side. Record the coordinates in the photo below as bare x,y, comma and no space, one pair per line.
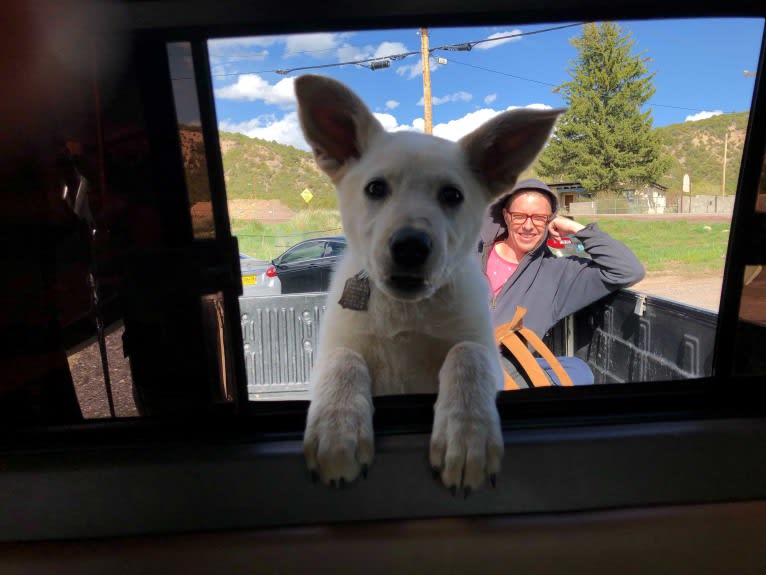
425,55
723,177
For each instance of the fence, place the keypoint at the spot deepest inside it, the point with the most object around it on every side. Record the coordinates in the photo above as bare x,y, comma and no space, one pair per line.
707,205
722,205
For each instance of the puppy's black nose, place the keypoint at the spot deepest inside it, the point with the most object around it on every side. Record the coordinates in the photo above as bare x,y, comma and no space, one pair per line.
410,248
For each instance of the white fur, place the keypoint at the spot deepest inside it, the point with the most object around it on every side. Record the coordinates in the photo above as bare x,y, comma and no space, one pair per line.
436,338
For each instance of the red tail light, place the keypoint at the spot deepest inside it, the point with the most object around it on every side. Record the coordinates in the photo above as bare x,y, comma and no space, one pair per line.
271,272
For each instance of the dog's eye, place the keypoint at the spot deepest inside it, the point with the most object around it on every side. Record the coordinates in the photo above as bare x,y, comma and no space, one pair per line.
376,189
450,196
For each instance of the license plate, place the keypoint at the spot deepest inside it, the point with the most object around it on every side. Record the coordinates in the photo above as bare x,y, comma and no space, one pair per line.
249,280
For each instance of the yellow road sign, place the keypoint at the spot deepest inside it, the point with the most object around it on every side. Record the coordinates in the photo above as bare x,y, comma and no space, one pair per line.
307,195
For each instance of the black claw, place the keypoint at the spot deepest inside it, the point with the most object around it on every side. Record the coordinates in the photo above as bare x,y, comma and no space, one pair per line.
493,480
435,473
453,490
365,469
466,492
342,483
314,476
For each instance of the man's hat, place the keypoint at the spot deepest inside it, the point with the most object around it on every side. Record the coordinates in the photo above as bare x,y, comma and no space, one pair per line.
530,184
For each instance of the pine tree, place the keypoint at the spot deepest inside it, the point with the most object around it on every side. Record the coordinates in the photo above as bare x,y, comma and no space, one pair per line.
604,141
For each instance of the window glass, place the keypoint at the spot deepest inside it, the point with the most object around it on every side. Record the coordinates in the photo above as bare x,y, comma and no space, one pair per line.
665,130
309,251
126,222
159,345
749,358
760,205
335,248
191,139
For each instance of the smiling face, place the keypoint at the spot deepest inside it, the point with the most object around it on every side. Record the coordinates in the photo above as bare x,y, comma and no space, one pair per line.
524,237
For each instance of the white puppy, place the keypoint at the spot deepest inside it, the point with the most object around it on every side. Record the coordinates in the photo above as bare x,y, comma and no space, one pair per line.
407,310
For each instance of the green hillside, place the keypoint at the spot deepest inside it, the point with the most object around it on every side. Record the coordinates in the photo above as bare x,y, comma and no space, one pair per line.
257,169
697,148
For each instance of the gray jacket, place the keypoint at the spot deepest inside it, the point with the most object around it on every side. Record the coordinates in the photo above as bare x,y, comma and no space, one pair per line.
552,288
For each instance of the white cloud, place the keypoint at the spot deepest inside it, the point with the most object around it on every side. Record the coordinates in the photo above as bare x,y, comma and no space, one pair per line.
252,87
388,121
311,44
531,107
456,97
231,63
411,70
392,104
390,49
504,38
414,70
491,98
226,55
391,124
456,129
349,53
286,130
227,44
702,116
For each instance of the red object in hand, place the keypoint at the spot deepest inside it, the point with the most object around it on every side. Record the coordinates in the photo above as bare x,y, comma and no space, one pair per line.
559,243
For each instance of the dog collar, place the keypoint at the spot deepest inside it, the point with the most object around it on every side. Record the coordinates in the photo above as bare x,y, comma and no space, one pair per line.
356,292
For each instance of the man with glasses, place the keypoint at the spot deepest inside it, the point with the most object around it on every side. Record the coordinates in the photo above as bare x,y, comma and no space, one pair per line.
523,272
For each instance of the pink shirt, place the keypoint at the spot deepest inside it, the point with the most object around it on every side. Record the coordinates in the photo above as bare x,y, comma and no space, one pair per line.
498,270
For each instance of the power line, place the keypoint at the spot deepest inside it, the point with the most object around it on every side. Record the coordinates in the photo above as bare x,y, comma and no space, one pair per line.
675,107
378,62
459,47
402,56
453,61
467,46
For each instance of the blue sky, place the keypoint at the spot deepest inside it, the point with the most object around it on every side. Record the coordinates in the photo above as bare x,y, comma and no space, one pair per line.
699,70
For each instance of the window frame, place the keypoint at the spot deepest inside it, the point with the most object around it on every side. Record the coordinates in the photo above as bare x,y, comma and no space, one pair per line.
699,430
604,402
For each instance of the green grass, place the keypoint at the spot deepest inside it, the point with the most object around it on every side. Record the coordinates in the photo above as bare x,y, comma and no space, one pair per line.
665,246
673,246
267,241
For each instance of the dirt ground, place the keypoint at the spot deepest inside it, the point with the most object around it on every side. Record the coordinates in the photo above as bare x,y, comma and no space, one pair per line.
699,291
266,211
85,363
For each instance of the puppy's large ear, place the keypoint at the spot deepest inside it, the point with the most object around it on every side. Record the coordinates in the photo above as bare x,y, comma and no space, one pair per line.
500,149
335,122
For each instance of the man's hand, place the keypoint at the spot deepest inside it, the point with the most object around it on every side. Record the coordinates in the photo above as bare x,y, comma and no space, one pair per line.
561,226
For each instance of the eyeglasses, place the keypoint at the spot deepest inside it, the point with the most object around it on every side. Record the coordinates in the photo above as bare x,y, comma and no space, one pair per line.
520,218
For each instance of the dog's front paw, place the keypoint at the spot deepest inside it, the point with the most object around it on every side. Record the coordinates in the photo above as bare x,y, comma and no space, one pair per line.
467,441
466,448
339,442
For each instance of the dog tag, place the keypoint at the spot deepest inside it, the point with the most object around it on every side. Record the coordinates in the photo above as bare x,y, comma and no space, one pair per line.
356,292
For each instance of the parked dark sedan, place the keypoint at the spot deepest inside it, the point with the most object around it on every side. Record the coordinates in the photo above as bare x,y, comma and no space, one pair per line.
307,266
